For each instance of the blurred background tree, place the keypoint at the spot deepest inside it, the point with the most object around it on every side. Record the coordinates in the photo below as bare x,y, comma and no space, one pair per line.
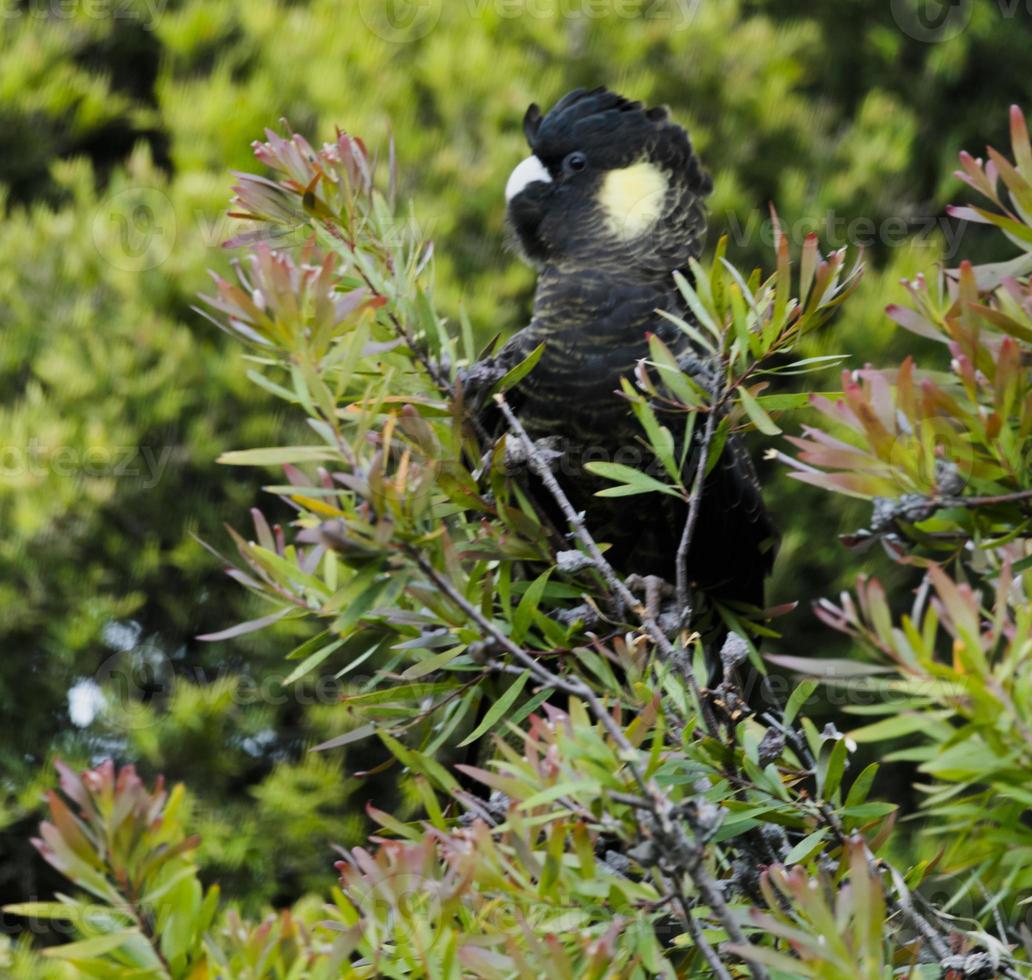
118,124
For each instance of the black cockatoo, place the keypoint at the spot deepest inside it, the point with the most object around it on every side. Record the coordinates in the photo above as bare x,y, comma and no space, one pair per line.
607,206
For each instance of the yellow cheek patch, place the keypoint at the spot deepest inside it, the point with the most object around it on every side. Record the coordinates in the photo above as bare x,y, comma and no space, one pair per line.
632,198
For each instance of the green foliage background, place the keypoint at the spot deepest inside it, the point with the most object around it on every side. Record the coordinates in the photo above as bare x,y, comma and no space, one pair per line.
117,133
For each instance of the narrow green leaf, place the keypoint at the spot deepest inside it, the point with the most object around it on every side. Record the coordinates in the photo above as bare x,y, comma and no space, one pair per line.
757,415
497,710
436,662
697,305
835,769
809,364
634,481
568,788
806,846
310,646
894,727
277,456
92,948
862,786
528,707
312,661
524,614
355,735
868,811
686,328
47,910
518,373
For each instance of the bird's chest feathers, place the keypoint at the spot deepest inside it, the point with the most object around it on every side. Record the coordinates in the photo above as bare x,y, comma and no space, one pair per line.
595,327
575,385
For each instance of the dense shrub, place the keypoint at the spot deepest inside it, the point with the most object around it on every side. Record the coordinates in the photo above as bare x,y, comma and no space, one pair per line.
117,132
638,823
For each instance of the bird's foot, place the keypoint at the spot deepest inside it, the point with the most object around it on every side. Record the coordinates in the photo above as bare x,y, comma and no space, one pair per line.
704,370
479,378
585,614
658,597
517,459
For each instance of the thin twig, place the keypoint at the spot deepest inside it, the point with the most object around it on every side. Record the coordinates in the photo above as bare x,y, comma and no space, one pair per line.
693,511
615,583
709,954
709,891
575,687
904,904
1002,498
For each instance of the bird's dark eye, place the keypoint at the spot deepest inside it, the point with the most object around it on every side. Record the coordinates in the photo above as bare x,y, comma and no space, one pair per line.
575,162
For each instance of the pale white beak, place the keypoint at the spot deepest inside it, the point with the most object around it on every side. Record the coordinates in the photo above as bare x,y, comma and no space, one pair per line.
527,172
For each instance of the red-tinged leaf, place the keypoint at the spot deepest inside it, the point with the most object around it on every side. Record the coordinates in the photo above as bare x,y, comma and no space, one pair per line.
250,238
71,830
1022,233
821,437
294,476
975,176
1019,187
851,484
915,322
775,221
510,787
959,605
992,174
375,770
807,265
833,459
964,213
1020,141
262,530
992,274
252,626
71,785
58,854
982,178
879,840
